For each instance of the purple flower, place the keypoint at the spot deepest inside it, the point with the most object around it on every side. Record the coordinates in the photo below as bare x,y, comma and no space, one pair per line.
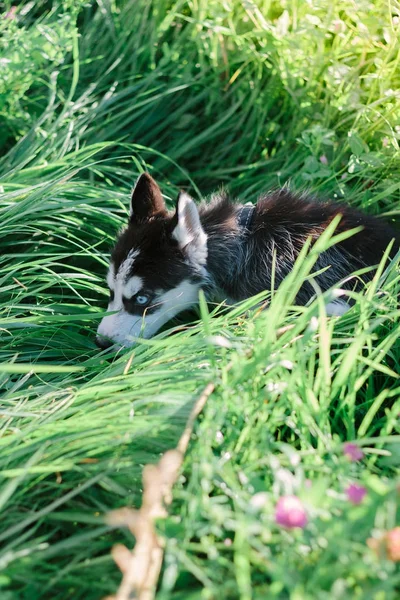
289,512
11,14
352,452
355,493
323,159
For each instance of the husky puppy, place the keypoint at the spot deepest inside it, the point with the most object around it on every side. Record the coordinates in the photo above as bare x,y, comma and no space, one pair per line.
162,259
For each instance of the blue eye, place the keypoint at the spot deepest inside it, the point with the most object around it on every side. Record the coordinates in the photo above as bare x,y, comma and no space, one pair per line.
142,300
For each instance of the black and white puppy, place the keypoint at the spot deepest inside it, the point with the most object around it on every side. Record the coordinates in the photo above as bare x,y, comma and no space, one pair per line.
162,259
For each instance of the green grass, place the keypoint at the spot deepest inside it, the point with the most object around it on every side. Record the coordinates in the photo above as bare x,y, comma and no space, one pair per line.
249,95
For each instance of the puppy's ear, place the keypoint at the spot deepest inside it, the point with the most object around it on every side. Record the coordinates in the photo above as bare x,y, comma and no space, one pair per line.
146,199
188,231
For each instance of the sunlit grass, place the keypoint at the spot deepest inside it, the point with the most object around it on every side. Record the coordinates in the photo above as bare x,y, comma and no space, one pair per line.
249,95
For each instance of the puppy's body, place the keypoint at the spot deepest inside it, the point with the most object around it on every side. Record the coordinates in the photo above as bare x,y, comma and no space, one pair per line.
162,259
240,259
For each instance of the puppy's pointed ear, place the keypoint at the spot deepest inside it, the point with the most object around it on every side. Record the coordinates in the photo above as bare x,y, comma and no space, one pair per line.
188,231
146,199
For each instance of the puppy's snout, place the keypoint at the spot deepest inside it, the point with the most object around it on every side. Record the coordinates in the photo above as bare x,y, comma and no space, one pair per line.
103,342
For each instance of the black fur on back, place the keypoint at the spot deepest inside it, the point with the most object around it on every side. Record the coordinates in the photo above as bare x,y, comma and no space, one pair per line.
240,262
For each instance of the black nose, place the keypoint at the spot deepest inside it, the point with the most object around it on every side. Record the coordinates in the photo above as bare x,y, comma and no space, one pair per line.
103,342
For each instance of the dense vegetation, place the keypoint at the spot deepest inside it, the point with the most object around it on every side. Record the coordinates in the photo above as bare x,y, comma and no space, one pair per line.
249,94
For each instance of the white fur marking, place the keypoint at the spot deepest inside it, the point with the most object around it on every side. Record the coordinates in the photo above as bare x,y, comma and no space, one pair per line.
124,328
184,232
337,308
121,285
111,277
132,286
189,233
126,266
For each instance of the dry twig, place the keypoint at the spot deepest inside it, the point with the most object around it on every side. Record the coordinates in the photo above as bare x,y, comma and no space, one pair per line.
141,567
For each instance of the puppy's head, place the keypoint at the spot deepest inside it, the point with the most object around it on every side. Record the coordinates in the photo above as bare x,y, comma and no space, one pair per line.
157,266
